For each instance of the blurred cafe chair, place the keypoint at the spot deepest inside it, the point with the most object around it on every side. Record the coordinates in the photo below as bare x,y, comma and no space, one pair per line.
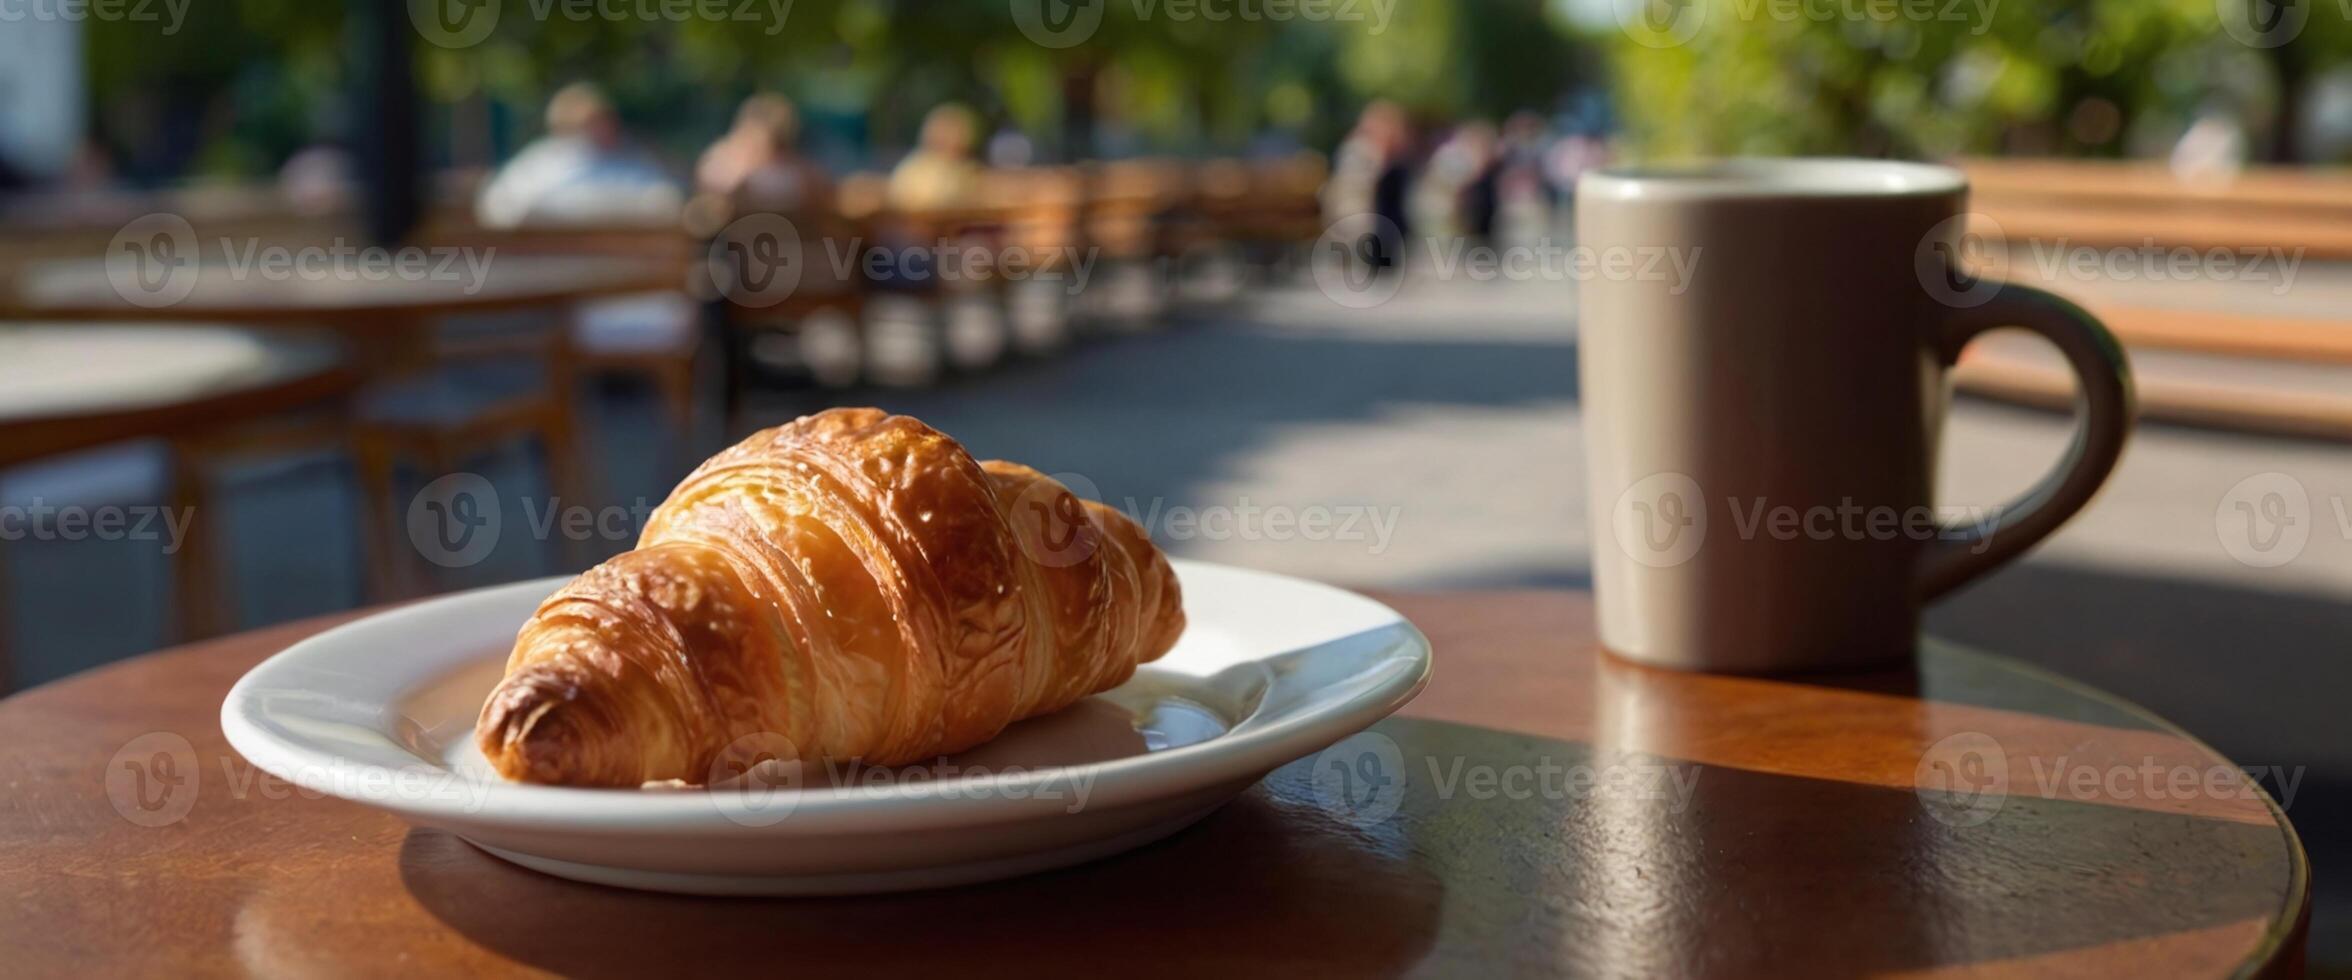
1211,265
772,221
785,298
941,204
493,378
1045,230
588,188
1131,207
655,335
1284,211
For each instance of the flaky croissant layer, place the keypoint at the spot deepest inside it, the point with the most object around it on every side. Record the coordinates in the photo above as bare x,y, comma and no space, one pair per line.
851,585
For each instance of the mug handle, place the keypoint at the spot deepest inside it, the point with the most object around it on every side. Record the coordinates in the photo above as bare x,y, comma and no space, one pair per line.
2104,417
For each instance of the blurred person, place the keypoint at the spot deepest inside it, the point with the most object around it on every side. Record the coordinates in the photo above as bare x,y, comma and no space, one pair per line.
317,179
1466,170
585,169
2214,149
1526,196
1526,138
942,171
1010,149
1570,156
1371,174
758,165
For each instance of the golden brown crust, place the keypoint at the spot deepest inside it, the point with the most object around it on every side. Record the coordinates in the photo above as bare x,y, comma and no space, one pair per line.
851,584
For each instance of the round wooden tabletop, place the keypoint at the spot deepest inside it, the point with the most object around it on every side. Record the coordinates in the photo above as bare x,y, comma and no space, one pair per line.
69,386
1553,812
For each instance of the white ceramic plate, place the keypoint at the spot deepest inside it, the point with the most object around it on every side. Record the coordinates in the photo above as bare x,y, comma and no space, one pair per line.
1270,669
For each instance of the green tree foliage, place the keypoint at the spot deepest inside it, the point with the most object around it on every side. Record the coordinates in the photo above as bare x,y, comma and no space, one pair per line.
263,77
1941,77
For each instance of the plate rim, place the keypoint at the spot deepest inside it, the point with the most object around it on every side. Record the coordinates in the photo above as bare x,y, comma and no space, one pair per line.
1116,783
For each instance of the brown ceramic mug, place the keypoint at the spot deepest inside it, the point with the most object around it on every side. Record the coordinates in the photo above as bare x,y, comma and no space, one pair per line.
1762,430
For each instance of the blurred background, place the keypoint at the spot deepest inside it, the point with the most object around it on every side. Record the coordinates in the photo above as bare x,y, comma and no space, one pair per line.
313,306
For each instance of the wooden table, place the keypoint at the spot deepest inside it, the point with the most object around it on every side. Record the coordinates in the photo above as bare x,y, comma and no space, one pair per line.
79,288
1786,836
66,387
392,326
390,321
70,386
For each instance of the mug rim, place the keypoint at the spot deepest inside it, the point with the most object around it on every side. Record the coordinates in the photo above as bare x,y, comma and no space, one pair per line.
1772,178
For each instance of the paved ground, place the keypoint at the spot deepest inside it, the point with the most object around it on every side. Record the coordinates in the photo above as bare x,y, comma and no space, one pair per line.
1435,443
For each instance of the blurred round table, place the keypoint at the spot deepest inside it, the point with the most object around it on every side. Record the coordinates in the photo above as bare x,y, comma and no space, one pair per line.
1540,810
472,280
390,321
69,386
424,402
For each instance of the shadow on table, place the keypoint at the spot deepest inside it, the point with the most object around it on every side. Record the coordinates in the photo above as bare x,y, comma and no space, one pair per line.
2258,674
1261,885
1703,870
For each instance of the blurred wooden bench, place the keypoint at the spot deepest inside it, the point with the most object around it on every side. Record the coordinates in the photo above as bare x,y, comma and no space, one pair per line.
2215,353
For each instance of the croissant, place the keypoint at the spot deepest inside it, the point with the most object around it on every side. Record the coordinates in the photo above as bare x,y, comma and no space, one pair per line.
853,582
